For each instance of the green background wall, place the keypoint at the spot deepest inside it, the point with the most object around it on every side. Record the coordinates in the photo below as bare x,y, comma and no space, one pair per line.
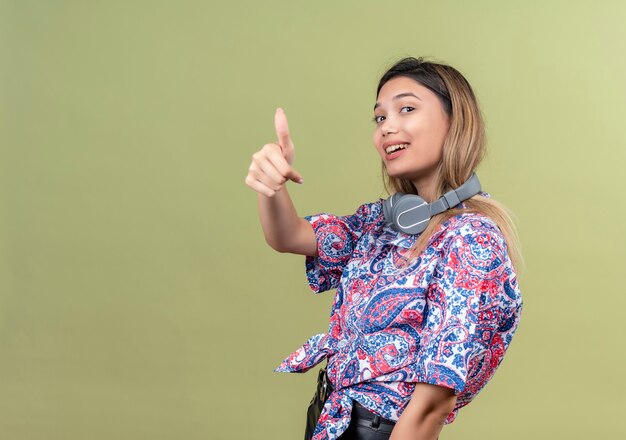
138,298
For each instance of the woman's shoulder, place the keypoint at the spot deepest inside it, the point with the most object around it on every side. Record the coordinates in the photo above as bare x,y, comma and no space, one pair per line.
372,209
471,226
363,218
468,221
370,212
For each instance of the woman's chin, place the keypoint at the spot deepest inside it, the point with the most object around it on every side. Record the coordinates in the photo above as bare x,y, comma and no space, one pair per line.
398,173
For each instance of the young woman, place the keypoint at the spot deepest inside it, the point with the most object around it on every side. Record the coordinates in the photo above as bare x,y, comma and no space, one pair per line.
425,307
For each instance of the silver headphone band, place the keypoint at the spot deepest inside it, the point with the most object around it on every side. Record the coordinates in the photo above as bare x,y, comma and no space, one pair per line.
452,198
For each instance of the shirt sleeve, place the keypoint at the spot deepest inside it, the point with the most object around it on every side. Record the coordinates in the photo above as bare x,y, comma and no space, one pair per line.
337,238
468,312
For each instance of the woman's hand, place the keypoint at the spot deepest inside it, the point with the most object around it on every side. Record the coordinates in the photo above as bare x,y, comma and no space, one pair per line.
270,169
271,165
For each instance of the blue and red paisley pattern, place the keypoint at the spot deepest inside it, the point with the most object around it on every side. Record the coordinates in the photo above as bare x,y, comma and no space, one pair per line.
444,318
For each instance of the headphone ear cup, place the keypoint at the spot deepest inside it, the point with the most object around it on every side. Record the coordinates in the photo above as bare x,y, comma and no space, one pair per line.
410,214
388,205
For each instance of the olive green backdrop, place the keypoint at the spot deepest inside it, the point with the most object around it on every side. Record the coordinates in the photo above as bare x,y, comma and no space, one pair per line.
138,298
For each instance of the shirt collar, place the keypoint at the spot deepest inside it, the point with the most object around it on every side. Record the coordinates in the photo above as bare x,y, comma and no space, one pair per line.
399,239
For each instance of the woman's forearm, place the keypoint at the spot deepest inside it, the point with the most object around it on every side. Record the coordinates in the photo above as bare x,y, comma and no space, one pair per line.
283,229
425,414
425,427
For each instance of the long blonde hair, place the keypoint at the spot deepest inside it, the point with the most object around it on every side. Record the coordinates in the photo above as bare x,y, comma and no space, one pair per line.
463,149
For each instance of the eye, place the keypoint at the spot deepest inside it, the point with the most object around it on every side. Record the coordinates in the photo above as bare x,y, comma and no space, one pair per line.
407,109
378,119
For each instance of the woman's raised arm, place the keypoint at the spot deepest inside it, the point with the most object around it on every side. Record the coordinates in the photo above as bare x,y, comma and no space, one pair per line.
270,169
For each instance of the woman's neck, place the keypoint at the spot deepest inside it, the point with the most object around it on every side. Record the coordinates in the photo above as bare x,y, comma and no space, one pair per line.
426,189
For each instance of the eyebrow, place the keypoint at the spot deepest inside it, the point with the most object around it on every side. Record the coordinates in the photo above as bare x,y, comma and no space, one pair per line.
401,95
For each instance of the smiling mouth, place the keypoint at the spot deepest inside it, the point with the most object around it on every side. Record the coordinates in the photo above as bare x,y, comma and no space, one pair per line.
390,149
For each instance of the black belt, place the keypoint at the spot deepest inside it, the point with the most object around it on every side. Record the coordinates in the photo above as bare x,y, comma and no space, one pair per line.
364,417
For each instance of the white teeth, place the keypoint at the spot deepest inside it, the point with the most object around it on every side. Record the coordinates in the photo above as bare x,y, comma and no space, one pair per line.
390,149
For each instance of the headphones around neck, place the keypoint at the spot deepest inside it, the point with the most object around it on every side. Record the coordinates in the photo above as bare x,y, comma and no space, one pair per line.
409,213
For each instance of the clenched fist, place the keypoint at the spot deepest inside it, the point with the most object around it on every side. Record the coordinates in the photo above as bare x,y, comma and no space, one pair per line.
271,165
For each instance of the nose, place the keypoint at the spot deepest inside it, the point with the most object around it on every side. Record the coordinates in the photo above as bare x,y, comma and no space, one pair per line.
388,127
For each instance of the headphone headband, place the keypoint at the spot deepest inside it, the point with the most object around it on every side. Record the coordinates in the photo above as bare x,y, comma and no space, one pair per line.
469,189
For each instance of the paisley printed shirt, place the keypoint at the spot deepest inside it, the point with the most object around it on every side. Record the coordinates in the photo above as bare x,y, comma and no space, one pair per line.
444,318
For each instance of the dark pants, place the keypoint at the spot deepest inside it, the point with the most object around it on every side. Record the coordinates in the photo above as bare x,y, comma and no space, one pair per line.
367,426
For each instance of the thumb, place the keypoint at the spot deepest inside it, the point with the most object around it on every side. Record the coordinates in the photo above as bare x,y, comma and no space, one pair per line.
282,132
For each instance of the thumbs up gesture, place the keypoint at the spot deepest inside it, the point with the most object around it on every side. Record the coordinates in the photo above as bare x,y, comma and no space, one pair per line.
271,165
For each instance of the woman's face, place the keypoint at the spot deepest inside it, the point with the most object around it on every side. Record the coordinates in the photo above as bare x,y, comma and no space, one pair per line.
411,126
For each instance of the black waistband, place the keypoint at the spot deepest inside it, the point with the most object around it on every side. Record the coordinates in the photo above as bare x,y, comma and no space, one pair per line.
360,413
